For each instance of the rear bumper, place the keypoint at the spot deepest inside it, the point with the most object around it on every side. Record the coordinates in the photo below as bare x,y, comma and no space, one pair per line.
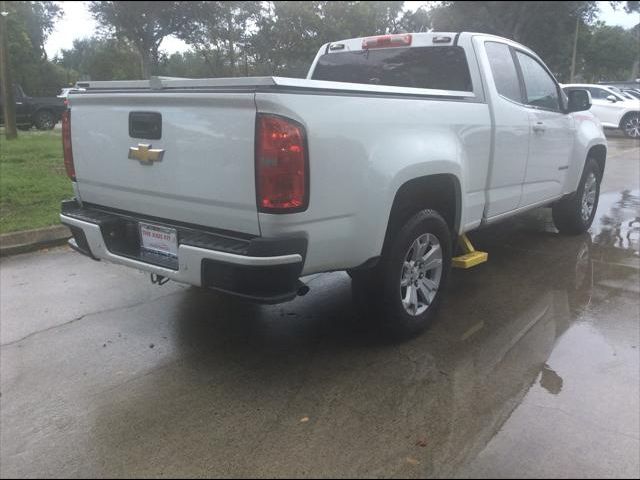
258,269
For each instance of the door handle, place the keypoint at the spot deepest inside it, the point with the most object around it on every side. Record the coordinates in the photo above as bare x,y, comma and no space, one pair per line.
539,127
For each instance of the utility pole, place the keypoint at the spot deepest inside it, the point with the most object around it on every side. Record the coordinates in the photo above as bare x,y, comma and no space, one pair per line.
575,50
6,85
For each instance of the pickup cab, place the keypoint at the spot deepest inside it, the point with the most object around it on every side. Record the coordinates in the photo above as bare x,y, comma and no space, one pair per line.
391,149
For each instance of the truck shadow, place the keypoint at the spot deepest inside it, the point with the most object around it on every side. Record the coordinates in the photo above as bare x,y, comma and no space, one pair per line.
295,390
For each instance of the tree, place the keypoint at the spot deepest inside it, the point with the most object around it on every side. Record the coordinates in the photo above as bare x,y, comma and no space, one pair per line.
548,27
635,69
219,32
101,59
188,64
39,20
6,83
144,24
289,34
609,53
629,7
417,21
28,25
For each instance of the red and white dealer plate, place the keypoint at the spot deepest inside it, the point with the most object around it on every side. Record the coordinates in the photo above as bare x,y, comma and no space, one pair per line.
159,239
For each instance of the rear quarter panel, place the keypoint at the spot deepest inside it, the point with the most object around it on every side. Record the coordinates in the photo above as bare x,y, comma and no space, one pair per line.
361,150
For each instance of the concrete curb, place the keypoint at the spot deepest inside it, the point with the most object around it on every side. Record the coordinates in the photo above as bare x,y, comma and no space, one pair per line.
29,240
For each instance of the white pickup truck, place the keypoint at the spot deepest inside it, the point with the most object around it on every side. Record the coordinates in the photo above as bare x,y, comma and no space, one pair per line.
376,163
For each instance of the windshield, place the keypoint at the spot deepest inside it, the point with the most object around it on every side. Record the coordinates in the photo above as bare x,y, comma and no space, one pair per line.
616,92
442,68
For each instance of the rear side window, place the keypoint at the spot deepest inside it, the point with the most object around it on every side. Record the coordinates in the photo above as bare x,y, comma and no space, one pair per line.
443,68
541,89
504,71
598,93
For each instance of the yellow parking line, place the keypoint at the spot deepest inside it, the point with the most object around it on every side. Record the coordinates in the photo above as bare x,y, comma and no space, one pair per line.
472,331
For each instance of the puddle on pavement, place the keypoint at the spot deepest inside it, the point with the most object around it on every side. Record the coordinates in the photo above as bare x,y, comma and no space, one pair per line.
550,380
618,221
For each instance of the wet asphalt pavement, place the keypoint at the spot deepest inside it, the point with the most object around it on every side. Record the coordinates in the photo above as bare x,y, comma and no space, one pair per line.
531,369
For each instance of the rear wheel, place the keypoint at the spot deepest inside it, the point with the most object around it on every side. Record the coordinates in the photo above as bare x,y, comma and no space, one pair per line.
574,215
631,125
45,120
403,292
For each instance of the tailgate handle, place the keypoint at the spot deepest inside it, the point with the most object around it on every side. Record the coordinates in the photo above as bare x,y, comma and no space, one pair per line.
147,125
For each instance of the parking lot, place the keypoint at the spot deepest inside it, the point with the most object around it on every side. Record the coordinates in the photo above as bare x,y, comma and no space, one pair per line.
531,369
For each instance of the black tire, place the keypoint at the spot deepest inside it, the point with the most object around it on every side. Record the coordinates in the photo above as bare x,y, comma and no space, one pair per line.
378,292
630,125
45,120
568,213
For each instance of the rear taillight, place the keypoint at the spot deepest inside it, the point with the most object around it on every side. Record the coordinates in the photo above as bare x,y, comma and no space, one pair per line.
384,41
66,145
282,167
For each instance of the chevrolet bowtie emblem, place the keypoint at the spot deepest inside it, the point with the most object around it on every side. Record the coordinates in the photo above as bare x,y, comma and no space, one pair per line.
145,154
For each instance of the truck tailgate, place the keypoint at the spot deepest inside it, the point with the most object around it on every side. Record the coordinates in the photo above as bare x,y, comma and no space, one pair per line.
206,175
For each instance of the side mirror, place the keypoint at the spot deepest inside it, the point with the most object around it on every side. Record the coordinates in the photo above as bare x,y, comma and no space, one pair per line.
612,98
579,101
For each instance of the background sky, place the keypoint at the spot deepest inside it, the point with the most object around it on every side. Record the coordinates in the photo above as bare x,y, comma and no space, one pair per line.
78,23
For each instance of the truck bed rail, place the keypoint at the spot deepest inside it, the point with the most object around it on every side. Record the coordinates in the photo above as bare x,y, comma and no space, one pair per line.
170,84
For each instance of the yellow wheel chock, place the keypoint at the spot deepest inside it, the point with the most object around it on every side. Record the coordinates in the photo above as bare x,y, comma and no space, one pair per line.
471,256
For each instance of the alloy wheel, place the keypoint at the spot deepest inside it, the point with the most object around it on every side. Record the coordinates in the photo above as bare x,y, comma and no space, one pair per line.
421,274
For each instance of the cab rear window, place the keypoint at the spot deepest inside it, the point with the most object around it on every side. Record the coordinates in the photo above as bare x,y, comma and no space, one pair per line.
443,68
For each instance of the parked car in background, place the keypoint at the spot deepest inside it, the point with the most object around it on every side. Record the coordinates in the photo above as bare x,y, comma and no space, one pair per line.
41,112
612,108
633,92
391,149
622,92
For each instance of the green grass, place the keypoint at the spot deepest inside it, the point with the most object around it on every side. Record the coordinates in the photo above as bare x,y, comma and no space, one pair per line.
32,180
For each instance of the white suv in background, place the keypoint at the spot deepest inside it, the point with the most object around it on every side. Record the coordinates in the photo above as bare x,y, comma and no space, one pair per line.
613,109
